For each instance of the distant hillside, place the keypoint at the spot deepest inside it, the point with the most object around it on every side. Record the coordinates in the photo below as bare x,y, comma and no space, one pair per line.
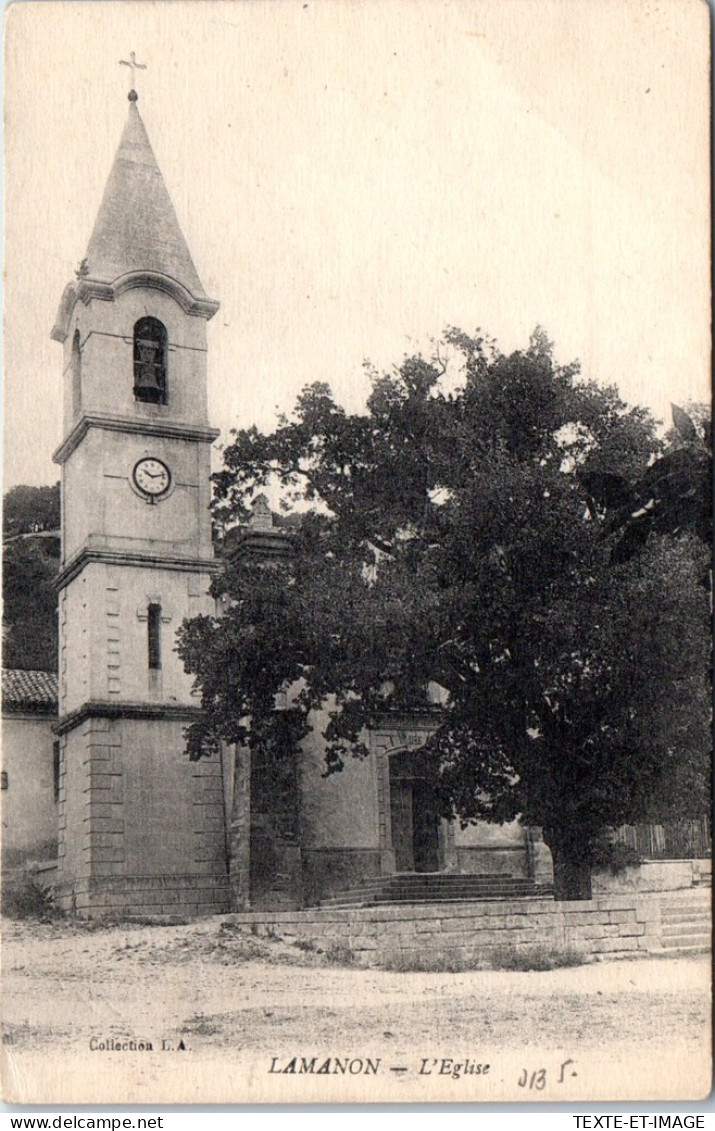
31,560
30,510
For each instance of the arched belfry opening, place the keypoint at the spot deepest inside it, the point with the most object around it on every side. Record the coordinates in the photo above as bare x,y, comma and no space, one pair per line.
150,350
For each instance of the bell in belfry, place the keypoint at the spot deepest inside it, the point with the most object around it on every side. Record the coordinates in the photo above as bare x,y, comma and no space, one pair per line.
148,369
150,348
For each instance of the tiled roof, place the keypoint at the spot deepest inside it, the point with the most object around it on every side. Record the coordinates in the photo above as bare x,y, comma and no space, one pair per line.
31,689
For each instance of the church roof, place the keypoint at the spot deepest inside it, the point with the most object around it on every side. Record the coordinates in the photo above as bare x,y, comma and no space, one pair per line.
29,690
136,228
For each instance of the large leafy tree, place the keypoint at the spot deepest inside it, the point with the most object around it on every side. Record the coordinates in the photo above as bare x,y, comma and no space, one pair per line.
456,538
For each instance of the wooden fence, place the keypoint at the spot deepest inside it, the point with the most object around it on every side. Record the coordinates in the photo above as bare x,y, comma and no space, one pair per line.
681,840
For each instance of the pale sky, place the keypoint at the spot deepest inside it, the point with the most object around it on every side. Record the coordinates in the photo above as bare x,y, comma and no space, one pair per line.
351,177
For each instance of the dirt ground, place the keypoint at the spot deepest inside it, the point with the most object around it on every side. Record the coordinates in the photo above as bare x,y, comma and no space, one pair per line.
233,1018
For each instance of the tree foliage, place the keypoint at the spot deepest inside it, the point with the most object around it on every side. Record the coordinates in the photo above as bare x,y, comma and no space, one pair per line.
31,553
30,510
467,539
30,604
673,495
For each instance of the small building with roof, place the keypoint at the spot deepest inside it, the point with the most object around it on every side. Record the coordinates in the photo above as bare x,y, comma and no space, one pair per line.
30,772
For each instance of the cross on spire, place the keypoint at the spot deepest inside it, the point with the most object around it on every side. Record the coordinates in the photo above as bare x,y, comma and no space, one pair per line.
132,62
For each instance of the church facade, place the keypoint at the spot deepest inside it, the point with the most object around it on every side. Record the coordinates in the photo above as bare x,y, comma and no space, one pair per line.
296,836
141,829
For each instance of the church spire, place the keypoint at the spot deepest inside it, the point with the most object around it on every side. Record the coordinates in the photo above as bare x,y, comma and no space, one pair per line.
136,228
136,239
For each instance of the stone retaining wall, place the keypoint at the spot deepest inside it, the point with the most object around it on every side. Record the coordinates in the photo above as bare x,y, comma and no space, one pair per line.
655,875
613,926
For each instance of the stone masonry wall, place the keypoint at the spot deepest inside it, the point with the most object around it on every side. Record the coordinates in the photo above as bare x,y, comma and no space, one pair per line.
153,897
655,875
613,926
141,827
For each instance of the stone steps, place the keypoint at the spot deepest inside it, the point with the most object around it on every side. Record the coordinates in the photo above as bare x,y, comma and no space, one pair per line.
686,927
695,945
692,922
416,902
437,888
688,915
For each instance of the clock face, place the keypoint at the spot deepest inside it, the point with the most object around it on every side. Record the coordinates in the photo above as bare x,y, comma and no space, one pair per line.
152,477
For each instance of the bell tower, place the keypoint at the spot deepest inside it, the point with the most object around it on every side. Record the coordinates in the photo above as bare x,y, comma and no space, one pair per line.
141,827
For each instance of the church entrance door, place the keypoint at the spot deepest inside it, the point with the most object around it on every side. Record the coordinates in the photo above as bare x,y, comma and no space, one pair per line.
413,814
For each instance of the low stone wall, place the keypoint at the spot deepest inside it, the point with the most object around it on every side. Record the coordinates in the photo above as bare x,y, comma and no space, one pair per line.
655,875
613,926
498,859
23,860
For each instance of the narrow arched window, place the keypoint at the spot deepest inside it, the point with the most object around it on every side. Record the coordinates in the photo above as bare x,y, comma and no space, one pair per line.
150,349
154,635
76,367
